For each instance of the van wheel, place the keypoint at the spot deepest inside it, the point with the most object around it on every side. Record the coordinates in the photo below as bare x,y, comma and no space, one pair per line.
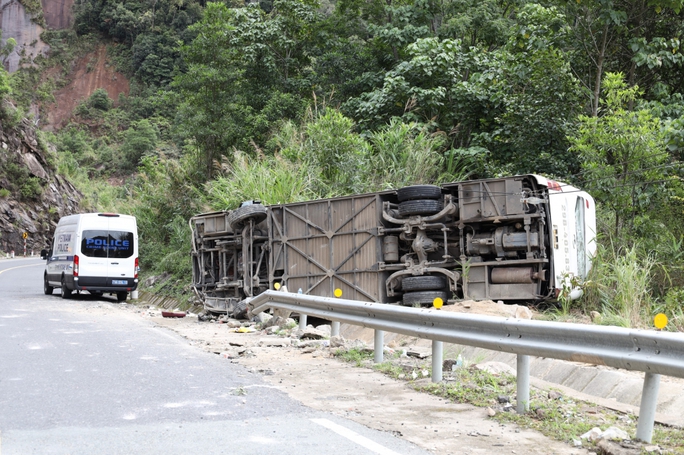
47,289
65,292
121,296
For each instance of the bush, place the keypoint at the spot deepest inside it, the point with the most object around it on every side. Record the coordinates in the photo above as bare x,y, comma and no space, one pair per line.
100,100
31,189
139,140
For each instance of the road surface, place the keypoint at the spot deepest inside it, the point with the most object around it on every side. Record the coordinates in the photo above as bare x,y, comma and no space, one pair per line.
79,377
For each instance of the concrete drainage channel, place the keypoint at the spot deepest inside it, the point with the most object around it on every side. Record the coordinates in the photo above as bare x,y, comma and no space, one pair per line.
160,301
619,390
607,387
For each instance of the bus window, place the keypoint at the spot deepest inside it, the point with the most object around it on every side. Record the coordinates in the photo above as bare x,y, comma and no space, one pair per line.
580,236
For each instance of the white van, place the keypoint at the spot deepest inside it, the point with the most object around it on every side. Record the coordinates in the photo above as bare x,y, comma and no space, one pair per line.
94,252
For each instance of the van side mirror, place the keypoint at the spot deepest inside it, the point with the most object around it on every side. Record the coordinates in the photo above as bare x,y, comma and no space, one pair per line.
44,254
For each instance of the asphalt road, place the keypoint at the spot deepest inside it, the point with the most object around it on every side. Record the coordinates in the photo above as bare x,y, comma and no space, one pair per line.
78,381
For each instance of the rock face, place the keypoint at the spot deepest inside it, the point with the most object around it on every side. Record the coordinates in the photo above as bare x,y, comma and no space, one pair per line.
35,212
15,22
58,13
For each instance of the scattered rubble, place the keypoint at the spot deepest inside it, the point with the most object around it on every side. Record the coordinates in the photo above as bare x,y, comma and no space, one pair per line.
266,347
612,433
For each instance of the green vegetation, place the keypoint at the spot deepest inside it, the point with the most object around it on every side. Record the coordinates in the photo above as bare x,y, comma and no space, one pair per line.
289,100
356,356
550,412
17,180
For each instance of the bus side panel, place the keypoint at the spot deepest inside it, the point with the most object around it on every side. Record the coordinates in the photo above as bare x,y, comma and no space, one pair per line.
330,244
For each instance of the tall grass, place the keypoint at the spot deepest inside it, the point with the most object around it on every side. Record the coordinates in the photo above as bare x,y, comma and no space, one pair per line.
270,179
403,154
620,285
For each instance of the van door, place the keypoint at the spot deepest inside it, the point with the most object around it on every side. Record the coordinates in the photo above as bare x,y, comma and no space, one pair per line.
94,264
110,254
121,262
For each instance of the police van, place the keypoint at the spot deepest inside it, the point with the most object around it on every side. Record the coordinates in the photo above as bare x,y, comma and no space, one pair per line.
94,252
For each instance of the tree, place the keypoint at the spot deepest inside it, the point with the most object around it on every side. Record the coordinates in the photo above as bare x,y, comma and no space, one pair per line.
5,88
140,140
519,101
245,71
624,156
622,36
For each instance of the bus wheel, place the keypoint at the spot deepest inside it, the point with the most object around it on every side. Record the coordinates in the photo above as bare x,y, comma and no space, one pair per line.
419,299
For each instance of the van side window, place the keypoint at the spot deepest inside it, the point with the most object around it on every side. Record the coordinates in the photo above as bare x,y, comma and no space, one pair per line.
107,244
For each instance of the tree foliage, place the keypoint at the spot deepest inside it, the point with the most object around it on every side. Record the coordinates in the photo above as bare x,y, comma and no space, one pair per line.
625,162
289,99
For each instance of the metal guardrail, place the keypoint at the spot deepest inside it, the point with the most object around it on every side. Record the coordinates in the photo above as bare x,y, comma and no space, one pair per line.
654,353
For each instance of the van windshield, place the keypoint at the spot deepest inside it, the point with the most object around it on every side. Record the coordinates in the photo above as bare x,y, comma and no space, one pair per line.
107,244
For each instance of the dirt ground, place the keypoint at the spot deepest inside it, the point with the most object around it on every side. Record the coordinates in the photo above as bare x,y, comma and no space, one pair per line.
89,73
312,376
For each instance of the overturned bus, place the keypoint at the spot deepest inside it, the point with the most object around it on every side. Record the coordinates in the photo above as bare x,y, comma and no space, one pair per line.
519,238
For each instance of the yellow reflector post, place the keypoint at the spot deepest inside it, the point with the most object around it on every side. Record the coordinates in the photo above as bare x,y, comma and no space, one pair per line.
338,293
438,302
660,321
276,286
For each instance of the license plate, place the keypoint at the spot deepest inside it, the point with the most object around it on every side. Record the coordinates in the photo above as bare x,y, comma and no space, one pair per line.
119,281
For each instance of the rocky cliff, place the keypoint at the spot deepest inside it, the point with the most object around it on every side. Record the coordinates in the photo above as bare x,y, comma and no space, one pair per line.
17,23
32,196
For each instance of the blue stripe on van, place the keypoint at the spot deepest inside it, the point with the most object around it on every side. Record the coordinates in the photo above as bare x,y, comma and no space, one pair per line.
62,259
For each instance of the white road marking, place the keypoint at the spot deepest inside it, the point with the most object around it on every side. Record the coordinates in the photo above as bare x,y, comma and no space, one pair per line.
355,437
19,267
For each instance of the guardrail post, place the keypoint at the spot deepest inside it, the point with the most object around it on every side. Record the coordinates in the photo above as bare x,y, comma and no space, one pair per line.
379,342
335,329
647,409
523,384
437,354
302,321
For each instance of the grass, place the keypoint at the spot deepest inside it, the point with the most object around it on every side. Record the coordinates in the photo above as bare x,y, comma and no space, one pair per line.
356,356
551,413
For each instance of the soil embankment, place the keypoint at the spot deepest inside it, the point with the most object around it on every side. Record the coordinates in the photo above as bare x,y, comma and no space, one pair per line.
91,72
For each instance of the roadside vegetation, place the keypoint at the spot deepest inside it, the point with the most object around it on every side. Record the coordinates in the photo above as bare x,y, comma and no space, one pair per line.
550,412
288,100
